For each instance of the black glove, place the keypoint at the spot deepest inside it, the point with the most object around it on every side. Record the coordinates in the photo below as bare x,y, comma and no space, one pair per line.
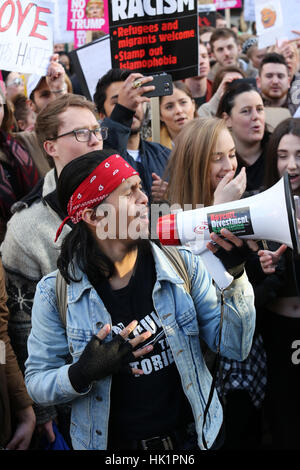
98,360
235,259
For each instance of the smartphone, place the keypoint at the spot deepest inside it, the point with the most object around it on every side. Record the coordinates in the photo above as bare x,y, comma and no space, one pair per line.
163,85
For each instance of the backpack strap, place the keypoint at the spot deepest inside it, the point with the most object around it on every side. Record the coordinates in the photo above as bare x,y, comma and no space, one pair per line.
61,297
178,264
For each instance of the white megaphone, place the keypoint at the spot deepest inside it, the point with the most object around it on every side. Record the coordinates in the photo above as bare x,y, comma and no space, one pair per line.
269,215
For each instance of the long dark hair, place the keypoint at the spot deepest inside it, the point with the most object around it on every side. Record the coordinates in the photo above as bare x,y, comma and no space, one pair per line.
288,126
234,89
79,246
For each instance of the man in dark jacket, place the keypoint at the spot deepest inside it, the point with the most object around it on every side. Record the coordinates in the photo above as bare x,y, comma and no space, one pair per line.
119,98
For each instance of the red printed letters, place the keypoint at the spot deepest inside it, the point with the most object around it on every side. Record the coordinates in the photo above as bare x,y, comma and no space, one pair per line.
9,13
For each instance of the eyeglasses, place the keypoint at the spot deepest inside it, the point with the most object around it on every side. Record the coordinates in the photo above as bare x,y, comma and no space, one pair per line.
84,135
16,81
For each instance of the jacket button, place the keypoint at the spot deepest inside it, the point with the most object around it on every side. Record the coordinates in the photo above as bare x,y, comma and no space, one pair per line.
98,432
99,324
98,398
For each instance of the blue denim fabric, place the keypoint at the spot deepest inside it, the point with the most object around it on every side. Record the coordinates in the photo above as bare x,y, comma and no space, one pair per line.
184,317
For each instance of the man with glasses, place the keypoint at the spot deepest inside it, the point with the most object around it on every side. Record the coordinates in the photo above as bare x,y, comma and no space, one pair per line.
66,129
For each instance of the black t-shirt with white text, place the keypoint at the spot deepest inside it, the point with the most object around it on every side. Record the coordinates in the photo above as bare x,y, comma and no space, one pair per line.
154,403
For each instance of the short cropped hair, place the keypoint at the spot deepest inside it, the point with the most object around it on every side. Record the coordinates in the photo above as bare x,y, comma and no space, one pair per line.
272,58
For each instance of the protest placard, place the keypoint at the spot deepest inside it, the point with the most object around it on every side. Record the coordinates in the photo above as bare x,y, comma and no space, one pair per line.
26,35
83,60
275,22
249,10
88,15
151,39
60,34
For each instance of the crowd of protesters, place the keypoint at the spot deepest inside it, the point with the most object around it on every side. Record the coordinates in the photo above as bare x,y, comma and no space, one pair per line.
226,134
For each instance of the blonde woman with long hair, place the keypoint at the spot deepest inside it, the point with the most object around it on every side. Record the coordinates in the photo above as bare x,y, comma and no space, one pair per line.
202,165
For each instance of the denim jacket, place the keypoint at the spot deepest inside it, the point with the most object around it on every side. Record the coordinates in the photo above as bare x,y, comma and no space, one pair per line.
185,317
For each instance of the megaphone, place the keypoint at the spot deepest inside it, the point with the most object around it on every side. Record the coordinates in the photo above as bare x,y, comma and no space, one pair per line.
269,215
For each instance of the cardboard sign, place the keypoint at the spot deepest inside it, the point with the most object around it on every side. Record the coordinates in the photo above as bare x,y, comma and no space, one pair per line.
87,15
84,56
275,22
26,35
249,10
162,37
221,4
61,35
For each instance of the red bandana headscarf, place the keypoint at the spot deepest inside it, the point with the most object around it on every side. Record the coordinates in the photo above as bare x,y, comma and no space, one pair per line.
96,187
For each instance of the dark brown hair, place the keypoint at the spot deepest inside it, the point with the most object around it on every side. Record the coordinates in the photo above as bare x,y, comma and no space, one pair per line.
222,72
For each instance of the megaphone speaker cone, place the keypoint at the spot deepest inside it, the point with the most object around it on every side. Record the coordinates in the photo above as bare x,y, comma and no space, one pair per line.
269,215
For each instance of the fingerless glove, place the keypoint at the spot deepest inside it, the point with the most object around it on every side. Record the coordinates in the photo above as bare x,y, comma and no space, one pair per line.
98,360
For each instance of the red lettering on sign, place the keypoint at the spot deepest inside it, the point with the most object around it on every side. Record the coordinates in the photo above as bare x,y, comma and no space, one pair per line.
22,15
2,9
38,22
